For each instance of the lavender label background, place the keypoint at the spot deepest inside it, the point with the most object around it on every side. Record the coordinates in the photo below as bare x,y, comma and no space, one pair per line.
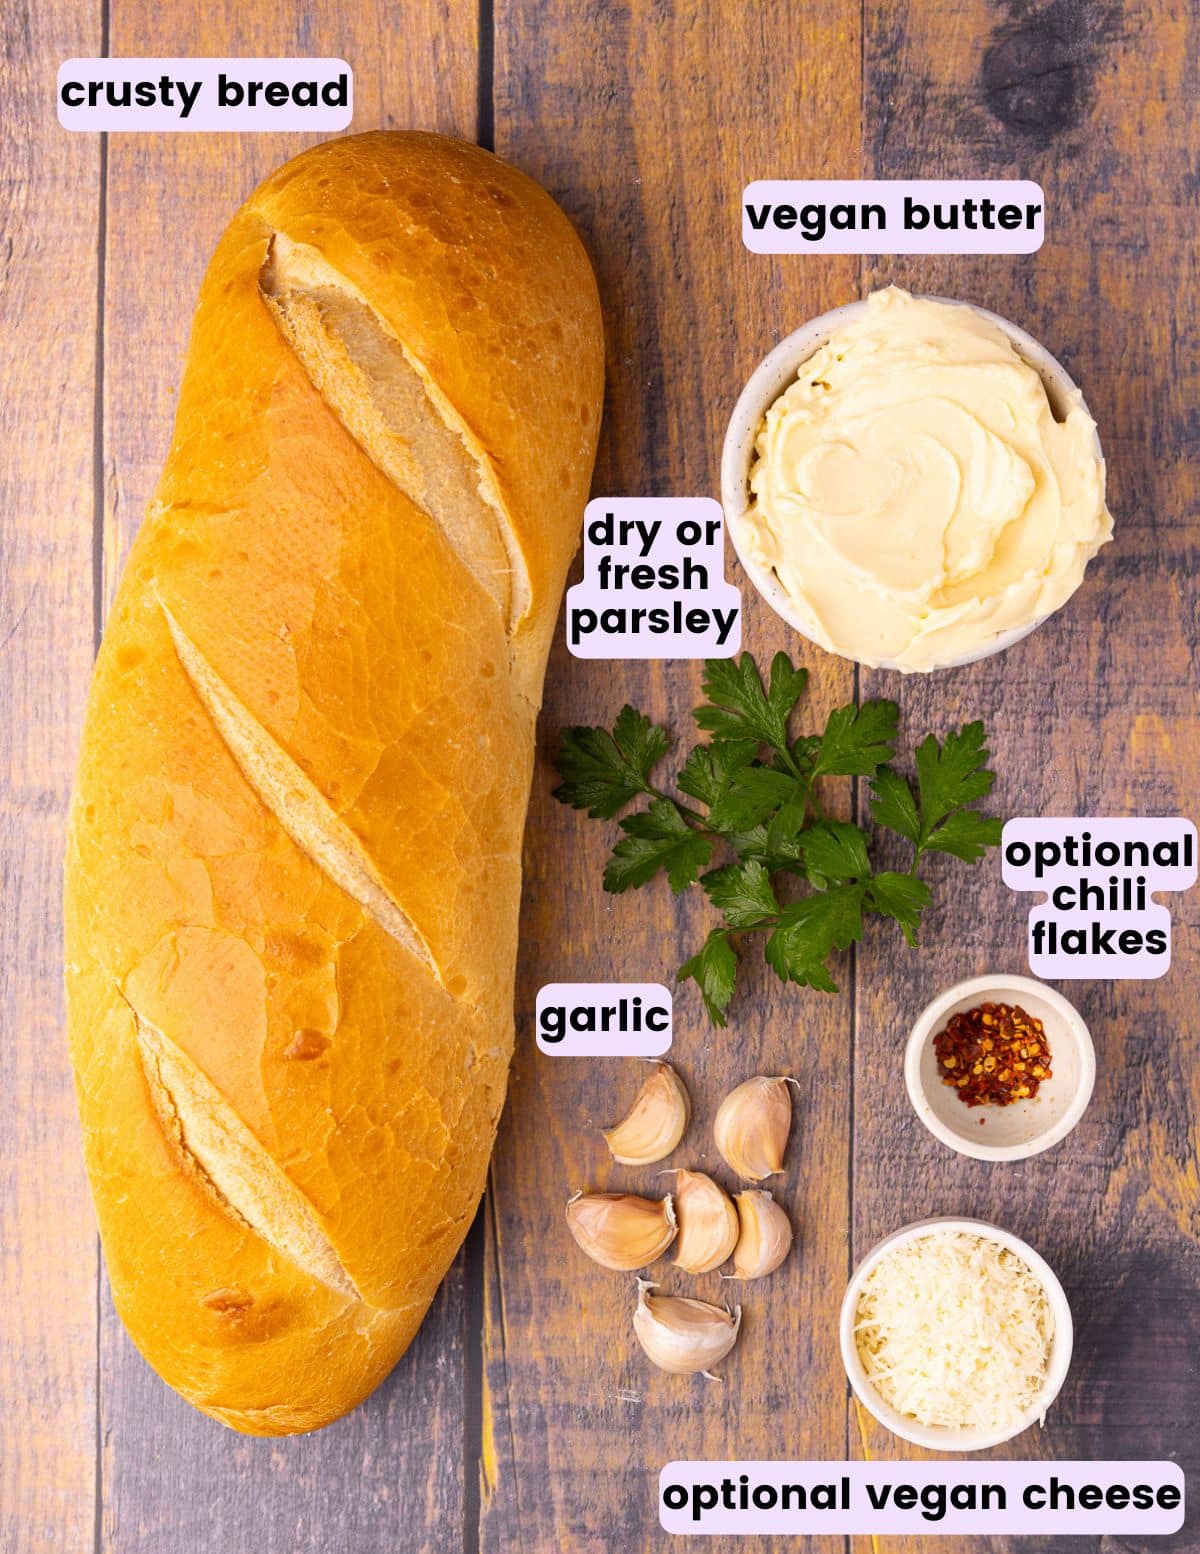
604,1044
890,193
205,116
1016,1520
672,514
1023,877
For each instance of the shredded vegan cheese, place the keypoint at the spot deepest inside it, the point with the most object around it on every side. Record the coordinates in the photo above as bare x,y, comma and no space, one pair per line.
955,1331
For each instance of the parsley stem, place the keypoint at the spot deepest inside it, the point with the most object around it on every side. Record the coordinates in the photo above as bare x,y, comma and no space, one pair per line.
693,816
793,766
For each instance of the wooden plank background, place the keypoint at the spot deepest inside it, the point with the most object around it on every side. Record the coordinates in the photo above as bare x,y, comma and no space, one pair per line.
1096,713
524,1417
48,1257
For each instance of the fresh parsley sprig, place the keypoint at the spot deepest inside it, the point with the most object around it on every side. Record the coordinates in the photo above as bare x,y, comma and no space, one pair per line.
750,805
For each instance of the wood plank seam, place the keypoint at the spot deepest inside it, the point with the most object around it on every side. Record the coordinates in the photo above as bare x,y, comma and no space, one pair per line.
856,811
97,1482
473,1377
852,988
485,111
475,1249
500,1327
99,603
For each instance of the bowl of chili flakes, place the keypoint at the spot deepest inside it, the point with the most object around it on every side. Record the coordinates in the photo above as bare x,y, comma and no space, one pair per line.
999,1067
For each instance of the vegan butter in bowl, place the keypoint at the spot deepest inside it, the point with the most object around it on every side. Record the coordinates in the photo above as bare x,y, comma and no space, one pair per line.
913,483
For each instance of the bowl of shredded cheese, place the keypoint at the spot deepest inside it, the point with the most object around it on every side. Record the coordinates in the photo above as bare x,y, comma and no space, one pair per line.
955,1334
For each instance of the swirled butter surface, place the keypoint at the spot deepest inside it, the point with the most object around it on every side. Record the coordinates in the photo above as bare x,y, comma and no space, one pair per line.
914,493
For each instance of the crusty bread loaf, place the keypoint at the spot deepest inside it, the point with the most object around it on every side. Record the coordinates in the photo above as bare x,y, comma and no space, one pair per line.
294,859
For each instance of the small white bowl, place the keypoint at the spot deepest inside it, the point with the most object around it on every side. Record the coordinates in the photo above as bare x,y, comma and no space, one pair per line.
1023,1128
937,1438
778,369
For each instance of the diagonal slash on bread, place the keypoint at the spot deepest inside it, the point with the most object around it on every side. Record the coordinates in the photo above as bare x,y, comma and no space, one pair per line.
392,407
294,799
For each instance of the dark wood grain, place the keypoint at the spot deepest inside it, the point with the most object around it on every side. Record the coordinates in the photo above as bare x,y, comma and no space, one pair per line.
647,125
47,368
389,1477
1096,712
645,120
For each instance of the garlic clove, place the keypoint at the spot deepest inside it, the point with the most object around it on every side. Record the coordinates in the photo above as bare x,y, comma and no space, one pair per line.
765,1235
708,1223
683,1336
655,1122
752,1126
619,1230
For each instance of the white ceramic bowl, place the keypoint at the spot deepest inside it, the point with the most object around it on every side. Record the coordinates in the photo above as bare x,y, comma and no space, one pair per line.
777,370
1023,1128
941,1439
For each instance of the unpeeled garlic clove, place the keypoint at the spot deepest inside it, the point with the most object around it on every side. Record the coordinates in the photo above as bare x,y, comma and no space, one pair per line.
683,1336
621,1231
764,1237
708,1223
655,1122
752,1126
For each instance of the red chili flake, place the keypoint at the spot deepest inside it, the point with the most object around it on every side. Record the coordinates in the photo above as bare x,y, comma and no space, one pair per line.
993,1055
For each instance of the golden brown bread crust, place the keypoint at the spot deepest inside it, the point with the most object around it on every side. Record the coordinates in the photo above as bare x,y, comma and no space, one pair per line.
294,858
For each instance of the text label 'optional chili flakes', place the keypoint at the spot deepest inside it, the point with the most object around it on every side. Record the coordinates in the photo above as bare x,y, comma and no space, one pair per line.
1098,876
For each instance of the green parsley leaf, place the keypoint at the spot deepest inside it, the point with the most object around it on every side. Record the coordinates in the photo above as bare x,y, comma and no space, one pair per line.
836,850
805,751
893,804
966,834
754,793
785,828
657,838
810,929
642,743
951,774
714,970
761,809
603,772
901,897
787,686
757,844
857,740
742,708
708,770
742,892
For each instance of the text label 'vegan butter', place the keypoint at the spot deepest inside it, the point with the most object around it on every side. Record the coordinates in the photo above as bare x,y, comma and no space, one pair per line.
915,494
893,216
